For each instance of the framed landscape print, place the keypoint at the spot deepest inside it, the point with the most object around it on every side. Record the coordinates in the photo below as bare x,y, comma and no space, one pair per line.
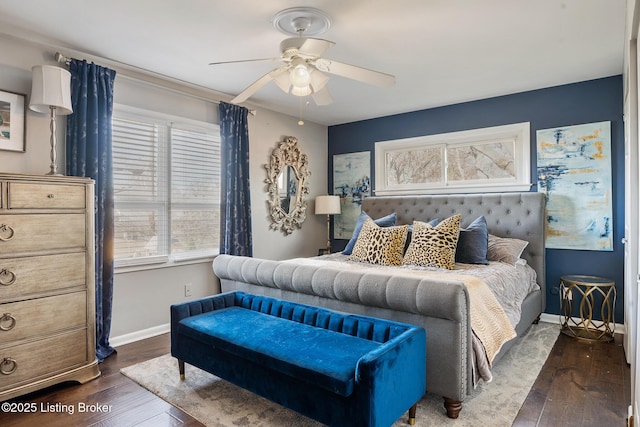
471,161
12,121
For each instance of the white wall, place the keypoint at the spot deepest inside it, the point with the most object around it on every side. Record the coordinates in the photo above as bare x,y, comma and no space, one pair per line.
15,75
142,298
265,131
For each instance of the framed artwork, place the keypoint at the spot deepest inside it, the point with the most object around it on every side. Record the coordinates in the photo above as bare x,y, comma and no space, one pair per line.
574,171
478,160
12,121
352,182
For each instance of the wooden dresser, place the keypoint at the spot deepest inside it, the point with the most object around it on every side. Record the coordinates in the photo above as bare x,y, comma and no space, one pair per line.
47,282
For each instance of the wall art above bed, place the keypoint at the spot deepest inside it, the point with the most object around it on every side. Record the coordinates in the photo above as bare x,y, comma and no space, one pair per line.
473,161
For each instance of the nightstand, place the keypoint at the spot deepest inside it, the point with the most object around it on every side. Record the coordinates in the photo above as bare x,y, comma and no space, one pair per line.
582,296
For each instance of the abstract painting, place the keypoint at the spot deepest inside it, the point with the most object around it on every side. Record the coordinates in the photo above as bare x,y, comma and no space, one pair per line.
352,182
574,171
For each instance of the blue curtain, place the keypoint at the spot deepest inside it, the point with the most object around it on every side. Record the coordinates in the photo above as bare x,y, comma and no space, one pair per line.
89,155
235,201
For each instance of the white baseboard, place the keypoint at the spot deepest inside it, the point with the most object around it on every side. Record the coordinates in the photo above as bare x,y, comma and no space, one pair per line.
555,318
550,318
139,335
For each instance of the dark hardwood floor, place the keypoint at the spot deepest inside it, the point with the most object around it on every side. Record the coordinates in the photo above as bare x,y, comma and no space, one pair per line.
581,384
130,404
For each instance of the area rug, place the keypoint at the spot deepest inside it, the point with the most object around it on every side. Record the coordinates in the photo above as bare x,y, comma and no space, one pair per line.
217,403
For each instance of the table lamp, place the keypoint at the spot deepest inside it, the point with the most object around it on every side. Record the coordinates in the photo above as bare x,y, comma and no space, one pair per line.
328,205
51,92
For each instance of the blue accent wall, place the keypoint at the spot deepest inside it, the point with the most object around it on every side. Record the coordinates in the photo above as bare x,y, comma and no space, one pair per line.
578,103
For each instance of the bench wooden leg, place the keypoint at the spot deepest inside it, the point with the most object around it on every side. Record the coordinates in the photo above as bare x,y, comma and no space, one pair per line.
181,369
412,414
453,407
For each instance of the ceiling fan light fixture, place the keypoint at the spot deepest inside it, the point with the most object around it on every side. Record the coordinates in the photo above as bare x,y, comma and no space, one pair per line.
304,66
301,91
299,76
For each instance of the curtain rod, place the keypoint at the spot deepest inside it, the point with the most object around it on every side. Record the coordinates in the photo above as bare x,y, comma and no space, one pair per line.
60,58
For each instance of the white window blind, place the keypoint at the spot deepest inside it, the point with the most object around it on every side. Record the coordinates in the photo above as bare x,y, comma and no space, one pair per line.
166,182
195,192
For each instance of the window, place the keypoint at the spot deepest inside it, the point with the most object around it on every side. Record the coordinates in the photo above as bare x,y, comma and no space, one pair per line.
166,177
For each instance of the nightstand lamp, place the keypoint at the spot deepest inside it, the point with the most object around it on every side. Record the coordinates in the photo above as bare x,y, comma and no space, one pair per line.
328,205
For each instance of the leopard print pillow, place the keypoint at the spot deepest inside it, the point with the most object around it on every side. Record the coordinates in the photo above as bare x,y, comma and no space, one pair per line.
434,246
380,245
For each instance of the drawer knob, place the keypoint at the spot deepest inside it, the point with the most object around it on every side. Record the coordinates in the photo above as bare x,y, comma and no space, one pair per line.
8,366
6,232
51,196
7,277
7,317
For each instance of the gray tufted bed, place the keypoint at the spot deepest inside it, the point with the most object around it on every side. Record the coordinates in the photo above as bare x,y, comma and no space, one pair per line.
440,306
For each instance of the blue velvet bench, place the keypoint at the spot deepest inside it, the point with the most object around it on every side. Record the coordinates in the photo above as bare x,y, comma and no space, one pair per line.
337,368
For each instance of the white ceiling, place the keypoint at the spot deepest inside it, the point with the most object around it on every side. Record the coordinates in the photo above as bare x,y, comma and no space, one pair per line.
441,51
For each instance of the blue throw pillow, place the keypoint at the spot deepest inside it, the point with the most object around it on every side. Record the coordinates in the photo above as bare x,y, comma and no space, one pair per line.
473,243
385,221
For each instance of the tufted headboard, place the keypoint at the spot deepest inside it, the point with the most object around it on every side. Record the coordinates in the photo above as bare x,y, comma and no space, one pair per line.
518,215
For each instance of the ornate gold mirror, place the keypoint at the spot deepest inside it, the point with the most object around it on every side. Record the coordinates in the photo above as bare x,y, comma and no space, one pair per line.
287,174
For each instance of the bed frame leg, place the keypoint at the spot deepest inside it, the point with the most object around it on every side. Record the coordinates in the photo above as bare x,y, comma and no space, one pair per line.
181,369
412,414
535,322
453,407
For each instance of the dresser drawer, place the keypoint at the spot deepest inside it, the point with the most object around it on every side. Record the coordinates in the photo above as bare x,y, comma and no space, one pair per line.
27,276
38,232
49,356
45,196
42,316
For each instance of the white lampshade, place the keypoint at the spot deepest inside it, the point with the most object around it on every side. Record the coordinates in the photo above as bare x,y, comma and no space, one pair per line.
51,87
327,205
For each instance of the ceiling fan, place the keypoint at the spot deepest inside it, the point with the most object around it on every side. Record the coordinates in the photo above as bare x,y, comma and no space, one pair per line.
303,67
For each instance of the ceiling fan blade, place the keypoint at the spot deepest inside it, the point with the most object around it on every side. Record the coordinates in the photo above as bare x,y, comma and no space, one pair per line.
318,80
315,47
244,60
322,97
258,84
365,75
283,82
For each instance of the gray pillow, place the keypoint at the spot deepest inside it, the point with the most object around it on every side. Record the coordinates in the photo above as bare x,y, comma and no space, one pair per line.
505,249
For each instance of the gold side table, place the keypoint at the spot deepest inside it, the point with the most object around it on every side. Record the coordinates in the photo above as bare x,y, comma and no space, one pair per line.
589,293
